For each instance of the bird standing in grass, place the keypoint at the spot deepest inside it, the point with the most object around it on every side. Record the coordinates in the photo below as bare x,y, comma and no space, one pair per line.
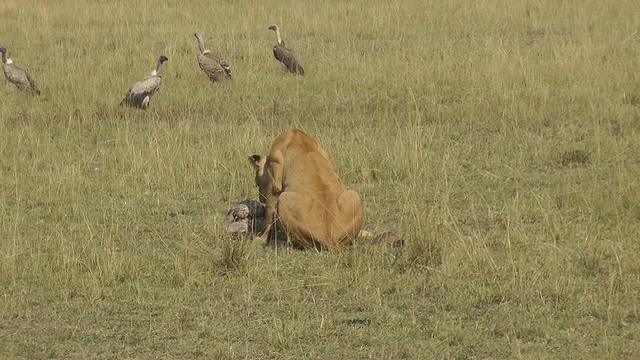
214,66
140,93
285,55
16,75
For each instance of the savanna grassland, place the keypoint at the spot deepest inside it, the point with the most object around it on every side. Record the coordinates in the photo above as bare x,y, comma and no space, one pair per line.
499,139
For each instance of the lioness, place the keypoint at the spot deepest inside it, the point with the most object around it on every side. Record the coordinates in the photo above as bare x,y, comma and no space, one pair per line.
304,196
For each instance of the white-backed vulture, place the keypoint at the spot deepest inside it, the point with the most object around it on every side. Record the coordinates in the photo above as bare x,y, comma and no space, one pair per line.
214,66
16,75
140,93
285,55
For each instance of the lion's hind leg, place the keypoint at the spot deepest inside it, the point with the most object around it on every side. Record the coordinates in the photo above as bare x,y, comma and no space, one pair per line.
350,217
296,216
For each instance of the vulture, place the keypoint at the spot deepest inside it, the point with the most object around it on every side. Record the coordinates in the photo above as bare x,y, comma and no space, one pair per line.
16,75
285,55
214,66
140,93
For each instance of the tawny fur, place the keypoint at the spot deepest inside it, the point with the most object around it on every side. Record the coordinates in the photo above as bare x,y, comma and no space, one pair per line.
304,196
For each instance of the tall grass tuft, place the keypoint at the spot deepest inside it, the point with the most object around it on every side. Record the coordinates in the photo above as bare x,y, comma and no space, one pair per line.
234,256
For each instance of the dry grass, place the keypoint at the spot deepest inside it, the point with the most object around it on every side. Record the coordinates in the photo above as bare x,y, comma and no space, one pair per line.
498,139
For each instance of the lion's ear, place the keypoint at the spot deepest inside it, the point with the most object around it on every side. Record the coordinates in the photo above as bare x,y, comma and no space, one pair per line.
257,162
